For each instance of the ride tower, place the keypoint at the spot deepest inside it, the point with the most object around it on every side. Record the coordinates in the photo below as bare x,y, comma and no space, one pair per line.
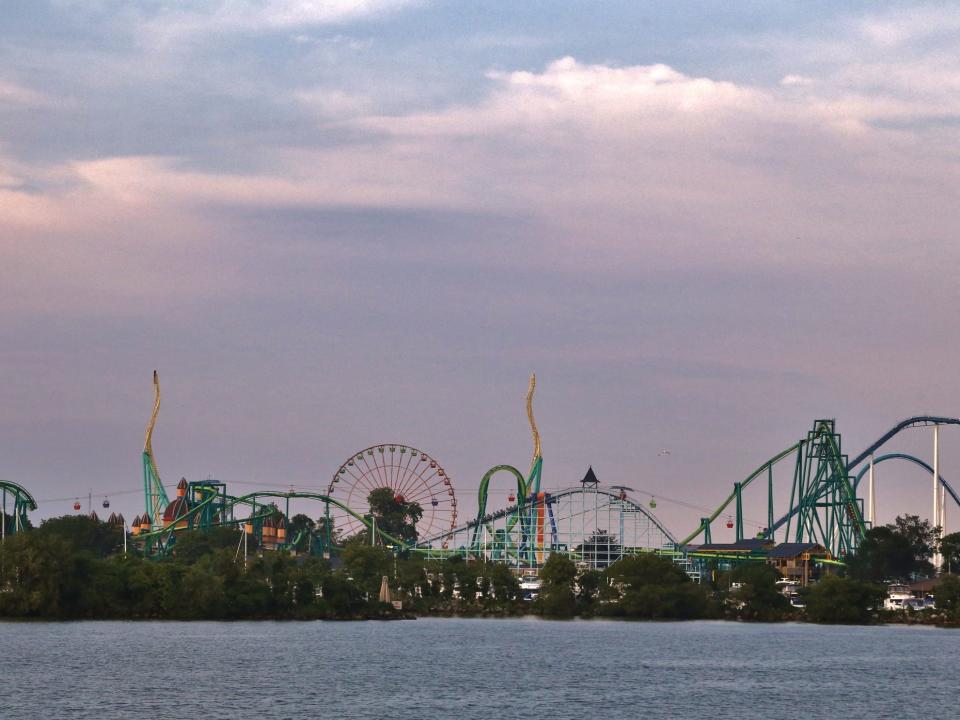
155,496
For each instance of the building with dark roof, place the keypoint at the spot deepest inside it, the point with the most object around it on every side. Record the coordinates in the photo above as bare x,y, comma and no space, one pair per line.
798,561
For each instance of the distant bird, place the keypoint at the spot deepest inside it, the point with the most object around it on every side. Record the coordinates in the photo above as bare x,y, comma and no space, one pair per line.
664,451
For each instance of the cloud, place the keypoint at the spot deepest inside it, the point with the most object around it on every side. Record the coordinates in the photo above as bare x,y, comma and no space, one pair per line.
632,162
650,235
207,16
899,27
612,171
795,80
13,94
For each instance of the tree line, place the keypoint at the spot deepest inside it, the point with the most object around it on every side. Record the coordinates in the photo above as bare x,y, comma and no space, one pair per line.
74,567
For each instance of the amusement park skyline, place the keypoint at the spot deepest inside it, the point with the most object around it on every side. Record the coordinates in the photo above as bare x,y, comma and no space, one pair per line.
332,225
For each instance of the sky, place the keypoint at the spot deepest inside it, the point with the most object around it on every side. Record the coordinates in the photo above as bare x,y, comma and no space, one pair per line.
331,224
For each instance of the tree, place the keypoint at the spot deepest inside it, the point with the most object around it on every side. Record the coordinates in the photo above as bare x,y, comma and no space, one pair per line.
394,515
192,545
367,564
950,549
600,549
299,529
884,555
842,600
503,583
635,571
922,538
556,586
651,586
947,596
84,533
759,597
588,585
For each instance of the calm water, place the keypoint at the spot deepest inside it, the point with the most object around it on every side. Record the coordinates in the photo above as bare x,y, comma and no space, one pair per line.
475,669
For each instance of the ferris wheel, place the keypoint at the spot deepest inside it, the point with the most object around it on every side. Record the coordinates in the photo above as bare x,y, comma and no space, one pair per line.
412,475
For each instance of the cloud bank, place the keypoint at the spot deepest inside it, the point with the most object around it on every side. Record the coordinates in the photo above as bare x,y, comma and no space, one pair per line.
324,223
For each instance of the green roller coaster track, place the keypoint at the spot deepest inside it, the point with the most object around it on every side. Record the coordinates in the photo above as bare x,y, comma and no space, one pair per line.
15,502
158,541
823,506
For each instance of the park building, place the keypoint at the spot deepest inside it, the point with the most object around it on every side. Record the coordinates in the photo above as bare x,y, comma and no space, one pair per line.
800,563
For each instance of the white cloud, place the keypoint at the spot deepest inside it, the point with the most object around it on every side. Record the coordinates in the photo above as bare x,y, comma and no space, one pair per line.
616,167
204,16
334,103
12,93
795,80
904,26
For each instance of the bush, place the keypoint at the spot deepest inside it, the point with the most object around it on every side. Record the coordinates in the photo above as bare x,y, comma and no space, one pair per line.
842,600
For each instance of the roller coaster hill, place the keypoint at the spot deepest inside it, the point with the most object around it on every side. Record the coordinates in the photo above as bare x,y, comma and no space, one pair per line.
816,503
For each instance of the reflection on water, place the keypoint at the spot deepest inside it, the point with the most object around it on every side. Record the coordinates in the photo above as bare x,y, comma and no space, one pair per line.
442,668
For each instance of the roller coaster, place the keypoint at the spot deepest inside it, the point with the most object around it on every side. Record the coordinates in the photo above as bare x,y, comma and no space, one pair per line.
592,524
15,503
823,500
810,491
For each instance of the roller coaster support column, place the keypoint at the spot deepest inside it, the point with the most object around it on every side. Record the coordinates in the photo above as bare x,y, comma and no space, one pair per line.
937,559
705,524
943,510
738,491
769,529
872,509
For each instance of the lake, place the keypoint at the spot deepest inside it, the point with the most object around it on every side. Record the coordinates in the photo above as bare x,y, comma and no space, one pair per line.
477,668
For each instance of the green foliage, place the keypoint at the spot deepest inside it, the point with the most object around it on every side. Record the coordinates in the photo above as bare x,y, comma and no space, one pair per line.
556,590
588,587
658,602
298,529
758,598
652,587
636,571
950,548
884,555
600,549
503,584
947,596
842,600
367,564
72,568
395,516
922,538
84,533
62,570
191,546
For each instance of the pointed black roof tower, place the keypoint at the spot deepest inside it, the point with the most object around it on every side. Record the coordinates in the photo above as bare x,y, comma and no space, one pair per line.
590,479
